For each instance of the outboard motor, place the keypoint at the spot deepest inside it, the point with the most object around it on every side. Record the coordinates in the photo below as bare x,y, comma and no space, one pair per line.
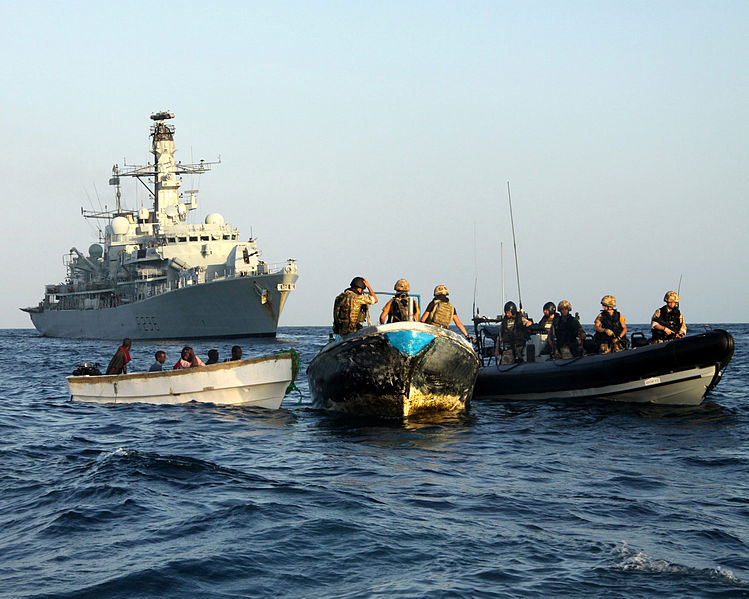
87,369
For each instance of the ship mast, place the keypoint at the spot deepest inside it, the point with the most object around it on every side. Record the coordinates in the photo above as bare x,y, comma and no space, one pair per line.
164,176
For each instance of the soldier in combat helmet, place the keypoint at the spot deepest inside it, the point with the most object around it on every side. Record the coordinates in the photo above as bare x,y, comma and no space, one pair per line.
668,322
610,328
512,335
567,334
440,312
402,307
351,307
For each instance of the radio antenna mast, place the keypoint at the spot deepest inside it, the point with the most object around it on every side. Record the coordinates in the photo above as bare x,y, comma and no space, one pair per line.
514,247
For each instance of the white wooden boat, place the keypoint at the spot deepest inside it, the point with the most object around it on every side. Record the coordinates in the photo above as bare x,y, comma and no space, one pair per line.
260,382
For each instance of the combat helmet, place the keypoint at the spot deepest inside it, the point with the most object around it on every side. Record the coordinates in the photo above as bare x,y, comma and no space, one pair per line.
550,307
441,290
512,307
402,285
608,301
358,282
564,304
671,296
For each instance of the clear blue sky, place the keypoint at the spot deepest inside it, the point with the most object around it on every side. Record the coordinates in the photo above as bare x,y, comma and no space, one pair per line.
377,139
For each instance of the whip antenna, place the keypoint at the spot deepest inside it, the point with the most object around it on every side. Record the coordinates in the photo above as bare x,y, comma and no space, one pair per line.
514,246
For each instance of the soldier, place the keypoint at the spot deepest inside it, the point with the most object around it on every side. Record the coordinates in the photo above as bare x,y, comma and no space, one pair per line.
512,335
548,318
440,312
402,307
610,328
544,326
351,307
668,322
567,334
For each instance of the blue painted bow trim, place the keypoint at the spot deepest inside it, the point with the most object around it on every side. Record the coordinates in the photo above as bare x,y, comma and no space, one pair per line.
409,343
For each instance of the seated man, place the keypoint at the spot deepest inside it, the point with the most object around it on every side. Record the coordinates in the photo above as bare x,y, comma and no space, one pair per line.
236,354
567,334
188,359
668,322
212,356
610,328
158,365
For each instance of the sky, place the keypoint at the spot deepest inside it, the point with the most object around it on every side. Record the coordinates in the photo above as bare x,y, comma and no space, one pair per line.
378,139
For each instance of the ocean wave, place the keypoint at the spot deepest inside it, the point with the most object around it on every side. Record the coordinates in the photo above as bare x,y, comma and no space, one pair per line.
627,559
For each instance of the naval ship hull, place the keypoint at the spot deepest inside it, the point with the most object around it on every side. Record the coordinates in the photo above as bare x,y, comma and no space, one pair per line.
216,309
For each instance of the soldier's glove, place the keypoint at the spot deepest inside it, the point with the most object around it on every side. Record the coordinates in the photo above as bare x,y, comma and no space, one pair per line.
609,332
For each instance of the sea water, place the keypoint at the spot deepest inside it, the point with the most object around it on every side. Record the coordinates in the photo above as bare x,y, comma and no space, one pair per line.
512,499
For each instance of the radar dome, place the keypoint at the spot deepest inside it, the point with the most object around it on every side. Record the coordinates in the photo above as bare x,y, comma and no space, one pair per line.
95,250
120,225
214,219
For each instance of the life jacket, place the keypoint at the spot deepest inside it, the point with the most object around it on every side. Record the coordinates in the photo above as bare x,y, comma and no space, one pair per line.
612,321
348,313
442,312
566,330
671,319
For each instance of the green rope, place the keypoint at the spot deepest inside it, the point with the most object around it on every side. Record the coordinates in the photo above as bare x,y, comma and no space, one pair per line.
295,361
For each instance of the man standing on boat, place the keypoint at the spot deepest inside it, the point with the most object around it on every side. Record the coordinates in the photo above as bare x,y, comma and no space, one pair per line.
441,313
402,307
512,335
610,328
566,334
118,363
351,307
668,322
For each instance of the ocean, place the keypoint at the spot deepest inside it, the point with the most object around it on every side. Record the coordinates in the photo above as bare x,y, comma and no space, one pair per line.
512,499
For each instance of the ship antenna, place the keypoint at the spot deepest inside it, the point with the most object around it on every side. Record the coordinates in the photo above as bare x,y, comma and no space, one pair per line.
514,247
475,269
502,269
678,289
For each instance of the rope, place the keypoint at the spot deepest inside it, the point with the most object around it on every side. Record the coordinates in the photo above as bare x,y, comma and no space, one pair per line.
295,361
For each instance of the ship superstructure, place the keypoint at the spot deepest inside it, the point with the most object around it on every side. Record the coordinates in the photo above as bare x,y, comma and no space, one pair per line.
154,276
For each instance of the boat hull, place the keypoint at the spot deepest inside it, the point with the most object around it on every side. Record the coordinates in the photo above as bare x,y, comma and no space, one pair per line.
394,370
217,309
259,382
680,372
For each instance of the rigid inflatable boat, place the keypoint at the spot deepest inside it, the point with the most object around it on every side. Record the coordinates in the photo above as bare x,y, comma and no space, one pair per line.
679,372
394,370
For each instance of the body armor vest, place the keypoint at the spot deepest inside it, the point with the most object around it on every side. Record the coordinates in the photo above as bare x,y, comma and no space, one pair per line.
566,330
442,313
612,322
348,313
671,319
512,331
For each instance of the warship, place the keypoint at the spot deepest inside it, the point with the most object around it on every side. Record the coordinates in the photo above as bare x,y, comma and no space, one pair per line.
151,275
